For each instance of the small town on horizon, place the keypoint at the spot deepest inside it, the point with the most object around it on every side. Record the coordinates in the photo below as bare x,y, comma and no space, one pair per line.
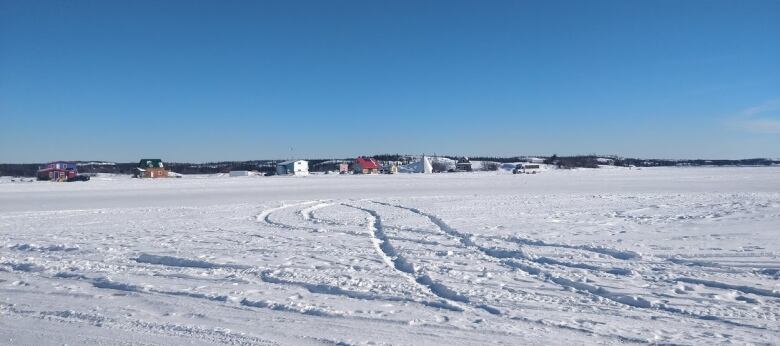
369,164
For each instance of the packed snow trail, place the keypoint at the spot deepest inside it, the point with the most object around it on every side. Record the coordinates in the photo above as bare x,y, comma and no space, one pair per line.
511,257
391,256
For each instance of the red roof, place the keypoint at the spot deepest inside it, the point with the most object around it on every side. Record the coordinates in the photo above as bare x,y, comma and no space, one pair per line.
367,163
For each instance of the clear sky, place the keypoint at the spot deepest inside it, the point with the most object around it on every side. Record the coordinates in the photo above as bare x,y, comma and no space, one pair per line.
238,80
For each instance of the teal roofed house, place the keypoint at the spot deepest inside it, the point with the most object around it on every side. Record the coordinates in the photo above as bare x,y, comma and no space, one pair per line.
151,168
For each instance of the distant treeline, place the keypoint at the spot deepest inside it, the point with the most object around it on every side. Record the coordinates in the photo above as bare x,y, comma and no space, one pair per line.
29,170
321,165
594,161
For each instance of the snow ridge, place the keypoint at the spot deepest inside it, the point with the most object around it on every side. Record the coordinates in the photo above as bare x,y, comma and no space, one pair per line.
183,262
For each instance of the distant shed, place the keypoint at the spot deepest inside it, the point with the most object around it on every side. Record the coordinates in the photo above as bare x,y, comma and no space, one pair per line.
58,171
151,168
463,165
390,167
366,165
294,167
527,168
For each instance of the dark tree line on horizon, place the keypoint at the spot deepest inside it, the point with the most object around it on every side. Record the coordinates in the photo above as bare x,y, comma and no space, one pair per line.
322,165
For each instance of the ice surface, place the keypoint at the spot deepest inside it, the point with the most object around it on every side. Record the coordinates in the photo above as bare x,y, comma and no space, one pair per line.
662,255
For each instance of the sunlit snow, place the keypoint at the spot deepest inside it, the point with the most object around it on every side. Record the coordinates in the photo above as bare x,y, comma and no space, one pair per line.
661,255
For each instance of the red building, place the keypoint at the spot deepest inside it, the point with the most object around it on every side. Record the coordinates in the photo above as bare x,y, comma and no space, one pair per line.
57,171
364,165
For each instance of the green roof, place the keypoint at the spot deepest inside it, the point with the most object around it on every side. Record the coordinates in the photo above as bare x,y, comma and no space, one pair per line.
150,163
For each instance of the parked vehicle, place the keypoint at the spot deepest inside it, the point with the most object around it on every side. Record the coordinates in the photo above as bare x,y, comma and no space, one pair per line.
525,169
80,177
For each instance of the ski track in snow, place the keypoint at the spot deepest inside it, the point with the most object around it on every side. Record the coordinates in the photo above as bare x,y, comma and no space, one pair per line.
530,266
468,241
449,300
515,259
398,262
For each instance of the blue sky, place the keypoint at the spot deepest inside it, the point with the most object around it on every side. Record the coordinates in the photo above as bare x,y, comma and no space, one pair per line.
237,80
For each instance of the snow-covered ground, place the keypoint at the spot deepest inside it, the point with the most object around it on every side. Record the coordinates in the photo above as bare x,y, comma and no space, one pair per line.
664,255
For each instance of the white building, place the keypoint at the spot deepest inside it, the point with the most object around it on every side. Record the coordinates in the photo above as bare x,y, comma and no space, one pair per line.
295,167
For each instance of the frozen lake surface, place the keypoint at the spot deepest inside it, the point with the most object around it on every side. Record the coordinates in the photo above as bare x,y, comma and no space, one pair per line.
663,255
